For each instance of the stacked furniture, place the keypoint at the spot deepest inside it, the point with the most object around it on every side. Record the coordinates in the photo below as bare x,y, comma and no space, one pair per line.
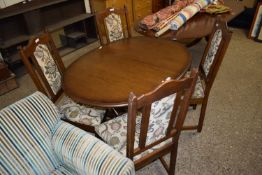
35,141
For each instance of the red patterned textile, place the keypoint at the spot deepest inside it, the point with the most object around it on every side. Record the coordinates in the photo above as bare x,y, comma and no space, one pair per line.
157,19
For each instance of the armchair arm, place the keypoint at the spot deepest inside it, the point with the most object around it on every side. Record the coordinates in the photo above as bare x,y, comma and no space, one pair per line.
86,154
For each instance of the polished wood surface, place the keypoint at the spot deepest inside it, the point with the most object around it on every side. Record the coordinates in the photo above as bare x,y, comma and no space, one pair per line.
106,76
198,26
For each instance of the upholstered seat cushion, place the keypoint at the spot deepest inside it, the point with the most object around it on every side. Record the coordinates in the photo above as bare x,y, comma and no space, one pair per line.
79,113
199,88
114,132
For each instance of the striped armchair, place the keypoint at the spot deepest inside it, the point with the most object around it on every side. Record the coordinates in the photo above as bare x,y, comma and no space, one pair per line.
35,141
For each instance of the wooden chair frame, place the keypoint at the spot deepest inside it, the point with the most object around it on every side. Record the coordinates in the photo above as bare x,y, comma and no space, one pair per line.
183,88
100,21
38,77
27,55
209,79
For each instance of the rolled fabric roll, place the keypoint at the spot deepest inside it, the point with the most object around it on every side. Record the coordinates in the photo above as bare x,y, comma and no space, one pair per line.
186,13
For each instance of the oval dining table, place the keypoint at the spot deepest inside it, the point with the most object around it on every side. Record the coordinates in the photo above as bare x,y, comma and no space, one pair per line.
104,77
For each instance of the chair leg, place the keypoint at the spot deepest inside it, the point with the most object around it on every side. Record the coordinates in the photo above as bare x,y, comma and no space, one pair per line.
194,106
173,156
202,115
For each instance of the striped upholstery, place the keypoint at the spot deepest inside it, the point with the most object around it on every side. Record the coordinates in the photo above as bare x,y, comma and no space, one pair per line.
25,127
35,141
73,146
61,170
188,12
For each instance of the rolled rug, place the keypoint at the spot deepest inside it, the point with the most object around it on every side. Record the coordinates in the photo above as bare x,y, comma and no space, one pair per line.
184,15
188,12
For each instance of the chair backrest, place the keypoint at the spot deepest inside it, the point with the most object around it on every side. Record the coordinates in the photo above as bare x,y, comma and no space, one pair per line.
215,50
164,109
113,25
44,65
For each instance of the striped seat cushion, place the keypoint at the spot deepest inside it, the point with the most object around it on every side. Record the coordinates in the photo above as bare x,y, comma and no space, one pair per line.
26,131
86,154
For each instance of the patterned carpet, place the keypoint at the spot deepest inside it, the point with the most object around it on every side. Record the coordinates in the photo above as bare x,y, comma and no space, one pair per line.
231,140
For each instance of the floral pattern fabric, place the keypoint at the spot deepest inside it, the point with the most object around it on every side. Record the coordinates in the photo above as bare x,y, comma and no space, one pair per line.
48,67
114,132
216,40
199,91
79,113
114,27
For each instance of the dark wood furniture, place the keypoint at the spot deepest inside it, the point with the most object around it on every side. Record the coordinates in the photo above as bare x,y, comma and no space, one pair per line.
137,9
106,76
62,18
161,109
46,68
199,26
7,79
209,66
122,26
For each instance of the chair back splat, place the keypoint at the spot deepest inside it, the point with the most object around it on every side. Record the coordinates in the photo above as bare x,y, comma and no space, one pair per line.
165,108
215,51
212,58
113,25
44,65
46,68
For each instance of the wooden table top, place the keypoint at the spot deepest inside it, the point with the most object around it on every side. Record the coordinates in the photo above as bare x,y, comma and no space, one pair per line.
198,26
105,77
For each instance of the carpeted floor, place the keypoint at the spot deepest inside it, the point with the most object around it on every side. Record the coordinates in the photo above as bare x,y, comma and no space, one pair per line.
231,140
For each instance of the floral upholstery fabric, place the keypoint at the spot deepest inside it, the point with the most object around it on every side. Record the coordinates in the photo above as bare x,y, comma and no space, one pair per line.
199,91
114,131
48,67
216,40
114,27
79,113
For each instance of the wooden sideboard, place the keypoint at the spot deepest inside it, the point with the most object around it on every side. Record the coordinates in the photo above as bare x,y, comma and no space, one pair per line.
137,9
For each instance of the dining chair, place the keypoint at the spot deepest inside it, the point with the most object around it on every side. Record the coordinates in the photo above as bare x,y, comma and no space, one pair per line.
113,25
152,126
46,68
210,63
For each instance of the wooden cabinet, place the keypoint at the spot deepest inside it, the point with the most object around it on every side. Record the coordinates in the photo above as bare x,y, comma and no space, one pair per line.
141,9
137,9
99,5
157,5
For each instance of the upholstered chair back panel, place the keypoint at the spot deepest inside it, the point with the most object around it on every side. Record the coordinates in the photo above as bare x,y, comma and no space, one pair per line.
114,27
159,118
26,136
48,66
215,43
